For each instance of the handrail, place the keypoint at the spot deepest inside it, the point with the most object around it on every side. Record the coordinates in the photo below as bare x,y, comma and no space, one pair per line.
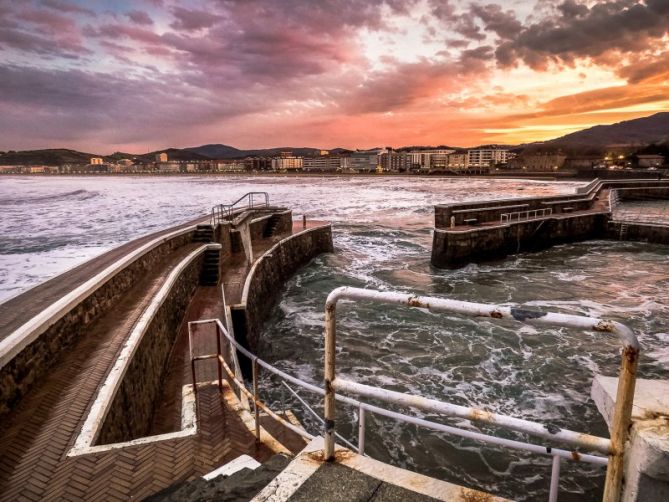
363,408
531,214
225,212
623,405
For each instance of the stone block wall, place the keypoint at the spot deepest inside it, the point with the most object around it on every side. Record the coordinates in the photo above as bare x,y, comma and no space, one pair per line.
34,361
259,225
452,249
269,274
131,411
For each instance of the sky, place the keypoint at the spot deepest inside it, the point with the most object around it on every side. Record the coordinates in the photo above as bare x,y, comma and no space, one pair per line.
104,76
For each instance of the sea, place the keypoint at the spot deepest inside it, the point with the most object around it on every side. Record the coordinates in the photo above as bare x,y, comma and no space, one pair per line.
382,228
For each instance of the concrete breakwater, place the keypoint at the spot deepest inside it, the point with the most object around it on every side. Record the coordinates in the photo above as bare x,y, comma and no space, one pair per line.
480,231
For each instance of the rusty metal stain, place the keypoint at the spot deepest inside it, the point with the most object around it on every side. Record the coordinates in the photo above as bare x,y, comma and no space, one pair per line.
339,456
481,415
496,314
575,456
475,496
524,315
604,327
631,354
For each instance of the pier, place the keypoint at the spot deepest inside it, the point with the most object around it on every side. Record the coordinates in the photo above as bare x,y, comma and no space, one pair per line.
489,230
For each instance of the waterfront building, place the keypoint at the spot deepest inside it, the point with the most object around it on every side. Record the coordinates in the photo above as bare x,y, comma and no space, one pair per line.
161,157
258,163
422,159
538,162
329,163
169,167
96,161
287,162
486,157
650,160
391,161
360,162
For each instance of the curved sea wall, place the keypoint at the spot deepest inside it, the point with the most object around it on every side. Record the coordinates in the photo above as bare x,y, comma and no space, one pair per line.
134,395
27,354
268,275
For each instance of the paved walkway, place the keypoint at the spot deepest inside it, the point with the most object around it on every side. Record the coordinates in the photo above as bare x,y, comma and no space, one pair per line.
18,310
35,437
656,212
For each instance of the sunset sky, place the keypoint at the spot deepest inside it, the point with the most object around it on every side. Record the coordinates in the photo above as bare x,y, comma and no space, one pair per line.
102,76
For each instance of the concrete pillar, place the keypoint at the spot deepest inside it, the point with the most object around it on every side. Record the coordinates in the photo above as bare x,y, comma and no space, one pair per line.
646,474
247,243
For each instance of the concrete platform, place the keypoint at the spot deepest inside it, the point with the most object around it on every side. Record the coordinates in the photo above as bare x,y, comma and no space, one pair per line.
647,453
353,477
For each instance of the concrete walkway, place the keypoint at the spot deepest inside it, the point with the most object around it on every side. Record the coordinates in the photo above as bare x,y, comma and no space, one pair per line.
36,436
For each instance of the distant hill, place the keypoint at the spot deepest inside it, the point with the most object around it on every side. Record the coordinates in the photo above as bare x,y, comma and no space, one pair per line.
51,157
643,131
219,151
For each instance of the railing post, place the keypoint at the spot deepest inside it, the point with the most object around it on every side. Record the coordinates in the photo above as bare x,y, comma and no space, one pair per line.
256,409
329,412
304,221
622,419
361,430
219,352
555,480
192,360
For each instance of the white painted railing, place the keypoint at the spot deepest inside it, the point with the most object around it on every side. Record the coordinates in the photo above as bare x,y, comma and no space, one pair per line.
614,447
532,214
611,447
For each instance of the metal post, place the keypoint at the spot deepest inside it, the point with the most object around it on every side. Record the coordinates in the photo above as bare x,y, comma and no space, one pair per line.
220,354
256,408
361,430
329,408
304,221
192,360
622,419
555,480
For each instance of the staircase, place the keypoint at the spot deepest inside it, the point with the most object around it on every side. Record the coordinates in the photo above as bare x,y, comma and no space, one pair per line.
203,233
271,226
210,268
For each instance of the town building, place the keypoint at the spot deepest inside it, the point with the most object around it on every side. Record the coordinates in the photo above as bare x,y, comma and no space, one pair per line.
287,163
360,162
650,160
258,163
392,161
422,159
487,157
96,161
161,157
322,163
538,162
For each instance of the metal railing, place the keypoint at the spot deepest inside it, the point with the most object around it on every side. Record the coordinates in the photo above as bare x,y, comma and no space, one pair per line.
612,447
250,200
531,214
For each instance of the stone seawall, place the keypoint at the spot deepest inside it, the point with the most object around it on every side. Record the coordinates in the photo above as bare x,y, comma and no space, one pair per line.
268,275
453,248
260,226
639,232
131,411
58,333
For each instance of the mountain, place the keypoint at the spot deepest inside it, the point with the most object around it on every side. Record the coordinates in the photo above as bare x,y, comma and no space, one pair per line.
51,157
218,151
643,131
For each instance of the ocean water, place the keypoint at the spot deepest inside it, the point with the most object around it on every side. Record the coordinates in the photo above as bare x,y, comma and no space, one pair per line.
382,233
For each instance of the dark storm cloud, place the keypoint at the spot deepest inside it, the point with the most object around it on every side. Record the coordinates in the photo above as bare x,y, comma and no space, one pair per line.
577,31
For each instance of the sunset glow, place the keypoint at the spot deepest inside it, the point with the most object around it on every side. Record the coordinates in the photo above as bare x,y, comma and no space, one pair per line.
138,76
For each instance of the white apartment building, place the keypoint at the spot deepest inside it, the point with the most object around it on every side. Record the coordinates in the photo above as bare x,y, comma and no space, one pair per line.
322,163
486,157
423,158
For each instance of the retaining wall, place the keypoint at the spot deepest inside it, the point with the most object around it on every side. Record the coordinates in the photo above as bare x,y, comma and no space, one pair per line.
259,226
131,411
268,275
456,248
642,232
29,352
